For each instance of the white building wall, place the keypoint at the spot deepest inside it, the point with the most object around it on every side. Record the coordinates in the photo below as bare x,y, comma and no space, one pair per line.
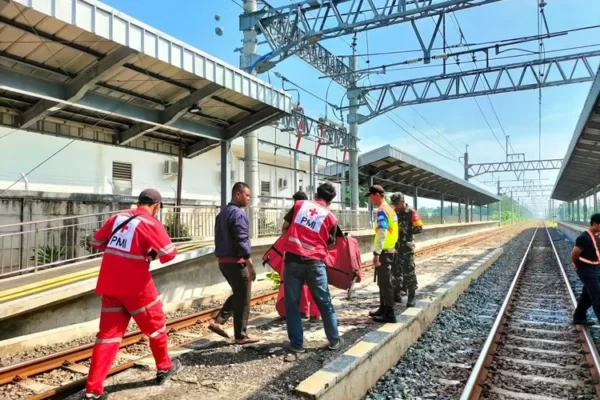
85,167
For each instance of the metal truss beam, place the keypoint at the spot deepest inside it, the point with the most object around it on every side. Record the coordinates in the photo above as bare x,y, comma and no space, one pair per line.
311,52
202,146
335,137
512,166
170,114
563,70
78,86
295,29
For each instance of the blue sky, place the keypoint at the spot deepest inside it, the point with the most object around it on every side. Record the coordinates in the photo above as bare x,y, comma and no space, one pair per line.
459,121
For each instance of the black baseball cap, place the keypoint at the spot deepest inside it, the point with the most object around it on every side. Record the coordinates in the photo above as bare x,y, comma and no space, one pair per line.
150,196
375,189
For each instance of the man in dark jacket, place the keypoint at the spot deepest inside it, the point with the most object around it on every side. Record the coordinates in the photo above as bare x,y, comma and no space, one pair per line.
232,248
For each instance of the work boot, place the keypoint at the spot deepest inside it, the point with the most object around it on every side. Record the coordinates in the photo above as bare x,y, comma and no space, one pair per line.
388,316
163,376
411,299
379,311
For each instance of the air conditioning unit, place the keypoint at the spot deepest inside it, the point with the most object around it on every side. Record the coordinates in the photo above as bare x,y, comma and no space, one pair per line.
283,183
170,167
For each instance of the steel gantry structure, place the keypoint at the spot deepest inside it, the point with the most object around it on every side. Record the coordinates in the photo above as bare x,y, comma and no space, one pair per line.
299,28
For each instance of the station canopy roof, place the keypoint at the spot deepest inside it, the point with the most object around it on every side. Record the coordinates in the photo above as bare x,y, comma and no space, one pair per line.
397,171
81,69
579,175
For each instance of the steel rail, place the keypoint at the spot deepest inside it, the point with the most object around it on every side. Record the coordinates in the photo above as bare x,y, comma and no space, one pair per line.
472,388
480,371
16,372
591,352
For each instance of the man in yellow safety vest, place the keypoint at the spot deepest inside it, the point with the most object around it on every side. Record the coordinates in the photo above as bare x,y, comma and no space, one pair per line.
384,249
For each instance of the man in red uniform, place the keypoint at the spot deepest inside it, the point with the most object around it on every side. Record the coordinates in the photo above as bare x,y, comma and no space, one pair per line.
130,240
308,230
308,307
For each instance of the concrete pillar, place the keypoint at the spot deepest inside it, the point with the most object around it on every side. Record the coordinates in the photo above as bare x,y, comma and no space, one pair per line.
459,205
480,214
442,209
415,199
578,211
179,177
585,209
247,60
595,201
467,214
343,194
252,179
353,93
487,208
226,173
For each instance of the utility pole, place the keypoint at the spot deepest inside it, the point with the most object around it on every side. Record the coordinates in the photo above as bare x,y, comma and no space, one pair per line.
353,125
247,60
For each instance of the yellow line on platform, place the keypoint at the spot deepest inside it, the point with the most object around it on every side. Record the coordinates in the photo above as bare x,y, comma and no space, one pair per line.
62,280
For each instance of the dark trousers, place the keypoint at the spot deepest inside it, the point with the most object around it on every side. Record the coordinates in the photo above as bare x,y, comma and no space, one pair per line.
404,275
238,303
385,279
590,295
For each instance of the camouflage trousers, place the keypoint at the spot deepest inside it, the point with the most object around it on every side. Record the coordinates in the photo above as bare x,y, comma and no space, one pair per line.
403,270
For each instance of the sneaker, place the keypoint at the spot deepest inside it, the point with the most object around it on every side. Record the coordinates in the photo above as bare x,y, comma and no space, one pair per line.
303,316
314,318
163,376
337,346
94,396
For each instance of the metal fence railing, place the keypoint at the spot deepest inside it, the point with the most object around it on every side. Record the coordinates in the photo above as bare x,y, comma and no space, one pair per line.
30,246
36,245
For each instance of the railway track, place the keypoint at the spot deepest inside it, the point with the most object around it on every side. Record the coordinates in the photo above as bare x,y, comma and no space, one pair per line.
76,359
532,351
71,359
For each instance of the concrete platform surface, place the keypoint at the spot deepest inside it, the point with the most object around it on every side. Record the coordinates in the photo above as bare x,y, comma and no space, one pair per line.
216,370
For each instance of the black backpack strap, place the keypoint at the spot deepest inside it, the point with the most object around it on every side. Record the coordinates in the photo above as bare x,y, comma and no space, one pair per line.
122,224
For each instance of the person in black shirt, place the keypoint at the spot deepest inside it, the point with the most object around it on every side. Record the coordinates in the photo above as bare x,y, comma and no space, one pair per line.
585,259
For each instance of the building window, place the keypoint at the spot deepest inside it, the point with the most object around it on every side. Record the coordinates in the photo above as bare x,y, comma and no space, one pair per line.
121,177
265,188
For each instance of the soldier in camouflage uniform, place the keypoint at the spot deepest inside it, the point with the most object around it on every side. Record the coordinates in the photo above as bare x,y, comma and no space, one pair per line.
409,224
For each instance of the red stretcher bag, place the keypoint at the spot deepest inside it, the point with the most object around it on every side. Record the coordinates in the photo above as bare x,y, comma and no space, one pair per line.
344,266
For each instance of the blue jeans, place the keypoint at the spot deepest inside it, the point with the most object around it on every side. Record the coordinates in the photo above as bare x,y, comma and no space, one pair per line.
295,275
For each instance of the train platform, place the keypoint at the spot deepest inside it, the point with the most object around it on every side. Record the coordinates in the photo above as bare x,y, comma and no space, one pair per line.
267,371
64,296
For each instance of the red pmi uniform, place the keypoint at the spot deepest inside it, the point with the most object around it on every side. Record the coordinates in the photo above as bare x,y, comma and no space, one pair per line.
308,233
127,289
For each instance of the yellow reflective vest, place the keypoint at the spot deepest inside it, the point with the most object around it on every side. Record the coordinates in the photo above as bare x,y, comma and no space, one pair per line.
386,221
